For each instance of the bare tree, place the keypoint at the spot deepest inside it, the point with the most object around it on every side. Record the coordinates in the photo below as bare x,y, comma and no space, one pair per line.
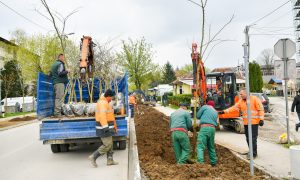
266,58
205,46
58,21
106,65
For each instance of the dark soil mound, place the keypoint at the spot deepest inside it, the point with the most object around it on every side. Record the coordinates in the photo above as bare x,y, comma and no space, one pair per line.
157,157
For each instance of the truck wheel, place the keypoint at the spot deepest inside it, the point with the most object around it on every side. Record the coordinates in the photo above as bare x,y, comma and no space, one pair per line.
115,145
55,148
64,147
239,127
122,144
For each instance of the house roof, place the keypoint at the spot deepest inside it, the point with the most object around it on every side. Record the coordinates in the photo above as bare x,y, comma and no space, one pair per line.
7,41
274,80
183,81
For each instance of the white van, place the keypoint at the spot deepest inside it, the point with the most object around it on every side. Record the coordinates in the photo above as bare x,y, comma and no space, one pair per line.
17,100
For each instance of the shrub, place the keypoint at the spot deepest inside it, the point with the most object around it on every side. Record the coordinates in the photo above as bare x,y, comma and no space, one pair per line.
176,100
158,98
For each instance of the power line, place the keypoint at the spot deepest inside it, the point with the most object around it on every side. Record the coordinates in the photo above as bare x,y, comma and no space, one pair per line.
270,13
22,16
195,3
272,34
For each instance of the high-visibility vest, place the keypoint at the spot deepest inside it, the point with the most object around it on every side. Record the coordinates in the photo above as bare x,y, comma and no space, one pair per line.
256,109
104,116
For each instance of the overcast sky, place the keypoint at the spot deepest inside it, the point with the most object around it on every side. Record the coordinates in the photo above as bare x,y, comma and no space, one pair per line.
169,25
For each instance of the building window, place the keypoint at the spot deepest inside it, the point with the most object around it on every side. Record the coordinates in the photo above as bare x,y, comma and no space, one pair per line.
180,89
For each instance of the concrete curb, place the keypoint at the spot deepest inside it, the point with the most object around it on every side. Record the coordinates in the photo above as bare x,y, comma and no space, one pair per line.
133,156
18,125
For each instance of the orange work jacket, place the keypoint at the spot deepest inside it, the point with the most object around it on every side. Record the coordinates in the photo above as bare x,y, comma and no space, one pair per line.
257,110
104,118
132,100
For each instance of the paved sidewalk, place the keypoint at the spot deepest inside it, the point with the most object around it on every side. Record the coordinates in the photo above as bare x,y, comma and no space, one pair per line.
273,158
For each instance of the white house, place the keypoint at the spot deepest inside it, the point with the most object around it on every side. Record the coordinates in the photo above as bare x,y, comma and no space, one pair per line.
163,88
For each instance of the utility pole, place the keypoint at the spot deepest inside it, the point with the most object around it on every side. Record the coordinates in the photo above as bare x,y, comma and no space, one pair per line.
286,79
246,46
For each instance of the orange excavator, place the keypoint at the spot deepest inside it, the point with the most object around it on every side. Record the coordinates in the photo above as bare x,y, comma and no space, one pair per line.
87,58
198,73
219,87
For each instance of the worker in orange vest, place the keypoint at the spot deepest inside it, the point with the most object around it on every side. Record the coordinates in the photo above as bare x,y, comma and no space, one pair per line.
132,104
105,128
257,116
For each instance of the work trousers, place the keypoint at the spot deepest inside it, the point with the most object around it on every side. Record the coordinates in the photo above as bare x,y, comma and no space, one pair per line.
298,113
107,146
59,89
206,138
181,146
254,137
131,107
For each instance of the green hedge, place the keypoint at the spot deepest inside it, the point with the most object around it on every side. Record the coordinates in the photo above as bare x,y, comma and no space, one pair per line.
158,98
184,98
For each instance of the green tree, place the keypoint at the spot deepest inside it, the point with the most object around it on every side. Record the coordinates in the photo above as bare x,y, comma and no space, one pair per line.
136,57
255,77
168,73
155,77
10,86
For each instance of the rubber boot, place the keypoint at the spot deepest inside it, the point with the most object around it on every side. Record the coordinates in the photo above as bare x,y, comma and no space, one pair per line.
93,157
297,126
110,160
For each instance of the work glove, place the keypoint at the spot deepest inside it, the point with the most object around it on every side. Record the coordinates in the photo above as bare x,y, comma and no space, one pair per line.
117,110
105,130
261,122
221,112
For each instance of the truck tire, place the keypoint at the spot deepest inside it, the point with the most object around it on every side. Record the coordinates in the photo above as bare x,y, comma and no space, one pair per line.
115,145
64,147
55,148
122,144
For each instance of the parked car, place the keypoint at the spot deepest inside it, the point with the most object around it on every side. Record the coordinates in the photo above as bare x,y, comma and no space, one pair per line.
264,100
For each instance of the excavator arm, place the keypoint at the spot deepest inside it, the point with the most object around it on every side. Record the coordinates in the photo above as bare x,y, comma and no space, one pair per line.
199,75
86,58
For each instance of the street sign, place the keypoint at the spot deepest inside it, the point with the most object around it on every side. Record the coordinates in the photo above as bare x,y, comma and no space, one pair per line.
291,69
285,44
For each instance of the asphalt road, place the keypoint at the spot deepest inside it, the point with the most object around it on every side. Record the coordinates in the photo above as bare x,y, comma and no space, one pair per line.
23,156
279,114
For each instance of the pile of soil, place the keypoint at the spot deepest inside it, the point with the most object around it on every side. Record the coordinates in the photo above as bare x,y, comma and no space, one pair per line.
157,158
16,121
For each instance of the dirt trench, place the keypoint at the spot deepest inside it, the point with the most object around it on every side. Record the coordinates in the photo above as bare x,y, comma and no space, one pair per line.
157,158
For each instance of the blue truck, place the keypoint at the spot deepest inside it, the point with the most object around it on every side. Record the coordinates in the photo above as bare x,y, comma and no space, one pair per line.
66,131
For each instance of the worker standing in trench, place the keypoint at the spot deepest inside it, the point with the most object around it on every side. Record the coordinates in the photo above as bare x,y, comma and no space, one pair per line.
206,137
257,116
105,128
132,104
180,124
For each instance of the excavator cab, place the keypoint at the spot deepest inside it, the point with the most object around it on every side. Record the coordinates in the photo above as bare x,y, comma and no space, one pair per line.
221,88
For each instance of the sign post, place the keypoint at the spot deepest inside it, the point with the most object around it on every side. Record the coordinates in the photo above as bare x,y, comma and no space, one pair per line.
285,49
246,46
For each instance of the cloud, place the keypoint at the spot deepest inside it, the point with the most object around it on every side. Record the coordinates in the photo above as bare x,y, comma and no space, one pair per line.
170,26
